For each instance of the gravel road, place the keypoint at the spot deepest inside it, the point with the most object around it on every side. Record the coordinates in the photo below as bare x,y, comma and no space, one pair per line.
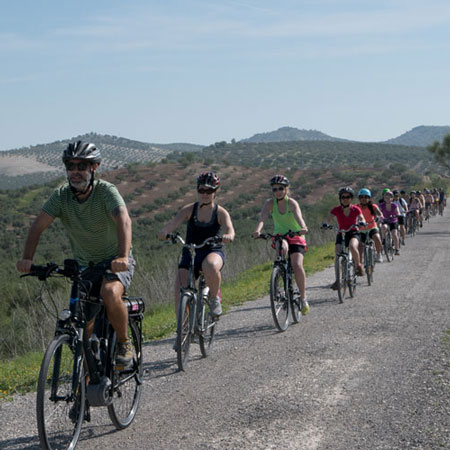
372,373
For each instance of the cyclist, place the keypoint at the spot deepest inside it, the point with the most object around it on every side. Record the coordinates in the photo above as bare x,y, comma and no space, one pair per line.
370,212
403,210
421,198
429,200
442,201
390,212
205,218
96,220
347,215
287,216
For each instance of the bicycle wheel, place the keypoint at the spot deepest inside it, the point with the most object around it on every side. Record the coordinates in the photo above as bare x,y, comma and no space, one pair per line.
279,301
386,244
60,411
184,330
351,278
207,327
368,263
340,268
126,382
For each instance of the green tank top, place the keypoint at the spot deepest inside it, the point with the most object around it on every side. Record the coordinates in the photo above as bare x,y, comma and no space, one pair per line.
284,222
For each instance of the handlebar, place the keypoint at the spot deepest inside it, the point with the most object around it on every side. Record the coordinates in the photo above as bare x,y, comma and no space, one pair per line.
71,269
209,241
288,234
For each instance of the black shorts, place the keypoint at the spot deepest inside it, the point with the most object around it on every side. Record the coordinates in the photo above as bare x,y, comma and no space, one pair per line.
92,282
401,220
372,232
200,255
297,248
348,236
392,226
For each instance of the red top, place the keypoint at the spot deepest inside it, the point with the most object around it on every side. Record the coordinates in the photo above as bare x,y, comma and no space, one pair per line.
345,222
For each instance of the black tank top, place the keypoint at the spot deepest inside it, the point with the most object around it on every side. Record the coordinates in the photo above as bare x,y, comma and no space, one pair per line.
197,231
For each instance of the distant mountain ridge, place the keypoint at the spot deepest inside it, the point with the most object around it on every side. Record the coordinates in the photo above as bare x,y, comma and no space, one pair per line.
421,136
287,134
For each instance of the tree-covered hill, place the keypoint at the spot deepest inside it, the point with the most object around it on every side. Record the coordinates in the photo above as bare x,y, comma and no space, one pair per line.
41,163
421,136
286,134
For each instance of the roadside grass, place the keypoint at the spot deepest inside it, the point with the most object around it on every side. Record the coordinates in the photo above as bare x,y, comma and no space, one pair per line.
20,375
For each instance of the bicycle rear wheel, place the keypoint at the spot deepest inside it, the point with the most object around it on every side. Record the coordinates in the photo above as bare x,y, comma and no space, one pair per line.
184,330
279,301
126,382
296,305
60,411
340,268
207,327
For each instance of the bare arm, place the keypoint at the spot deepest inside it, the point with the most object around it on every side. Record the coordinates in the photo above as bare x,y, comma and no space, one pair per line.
264,214
225,221
297,212
40,224
121,217
181,217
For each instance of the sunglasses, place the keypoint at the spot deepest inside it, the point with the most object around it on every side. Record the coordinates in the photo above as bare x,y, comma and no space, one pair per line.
279,189
364,196
205,191
346,197
81,166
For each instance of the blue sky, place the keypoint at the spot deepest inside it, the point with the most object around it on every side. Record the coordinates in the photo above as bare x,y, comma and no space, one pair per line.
202,71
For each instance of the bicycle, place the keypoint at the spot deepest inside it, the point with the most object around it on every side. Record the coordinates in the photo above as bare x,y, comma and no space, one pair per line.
194,311
368,255
78,371
388,243
284,297
344,266
412,223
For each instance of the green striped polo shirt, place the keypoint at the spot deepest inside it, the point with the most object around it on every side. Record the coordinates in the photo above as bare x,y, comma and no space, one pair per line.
92,231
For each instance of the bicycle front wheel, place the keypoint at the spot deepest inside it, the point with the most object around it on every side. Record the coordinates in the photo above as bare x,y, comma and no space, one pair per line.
296,305
279,301
207,327
59,408
386,245
351,278
126,381
340,268
368,259
184,330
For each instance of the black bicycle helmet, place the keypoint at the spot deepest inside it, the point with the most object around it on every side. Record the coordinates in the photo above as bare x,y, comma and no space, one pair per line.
208,179
346,190
85,151
279,179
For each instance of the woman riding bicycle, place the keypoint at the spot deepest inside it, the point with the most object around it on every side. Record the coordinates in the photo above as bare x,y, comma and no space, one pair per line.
287,216
370,212
348,216
390,213
204,219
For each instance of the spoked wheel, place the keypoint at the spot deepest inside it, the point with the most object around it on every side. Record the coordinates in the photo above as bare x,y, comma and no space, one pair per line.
296,305
207,328
386,244
351,279
183,341
368,260
279,301
60,411
341,277
127,381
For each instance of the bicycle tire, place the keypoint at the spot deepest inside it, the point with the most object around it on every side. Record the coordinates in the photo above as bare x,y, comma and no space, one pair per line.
184,331
351,278
279,301
386,247
207,327
60,416
126,382
340,271
368,258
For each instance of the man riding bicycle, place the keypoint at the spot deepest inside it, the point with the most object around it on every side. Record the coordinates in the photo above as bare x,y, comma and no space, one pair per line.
96,220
